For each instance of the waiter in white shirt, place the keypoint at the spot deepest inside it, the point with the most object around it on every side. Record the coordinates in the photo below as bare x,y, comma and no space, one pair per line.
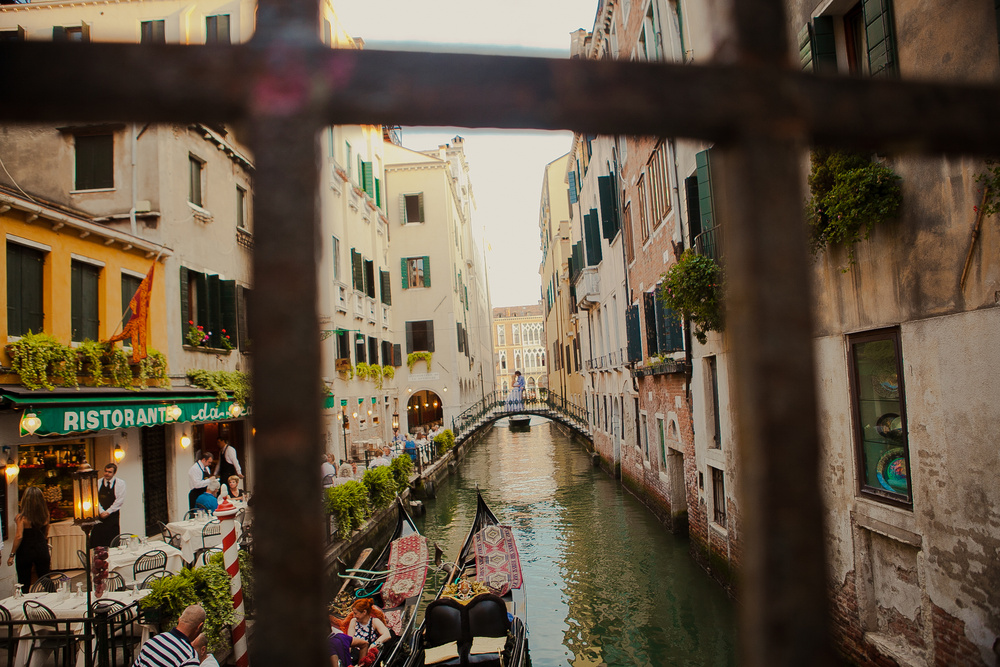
199,474
110,497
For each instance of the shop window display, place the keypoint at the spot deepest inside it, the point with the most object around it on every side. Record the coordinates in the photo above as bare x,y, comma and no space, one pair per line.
50,467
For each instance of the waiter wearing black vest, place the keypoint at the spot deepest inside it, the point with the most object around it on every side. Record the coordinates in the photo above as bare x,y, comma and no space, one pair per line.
110,497
199,474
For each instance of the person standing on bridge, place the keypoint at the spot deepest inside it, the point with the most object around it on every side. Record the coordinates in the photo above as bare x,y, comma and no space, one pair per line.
516,399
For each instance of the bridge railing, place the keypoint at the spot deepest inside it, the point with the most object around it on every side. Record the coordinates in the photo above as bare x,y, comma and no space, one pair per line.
497,403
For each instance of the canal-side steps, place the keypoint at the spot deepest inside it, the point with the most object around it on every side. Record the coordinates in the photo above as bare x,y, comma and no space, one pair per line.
497,405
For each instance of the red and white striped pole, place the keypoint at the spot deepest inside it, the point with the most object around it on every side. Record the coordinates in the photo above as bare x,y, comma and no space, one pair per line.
226,513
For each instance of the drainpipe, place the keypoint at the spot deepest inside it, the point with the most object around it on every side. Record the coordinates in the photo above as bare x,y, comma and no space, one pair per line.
131,213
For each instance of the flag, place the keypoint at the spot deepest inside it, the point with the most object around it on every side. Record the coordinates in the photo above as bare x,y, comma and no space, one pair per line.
137,328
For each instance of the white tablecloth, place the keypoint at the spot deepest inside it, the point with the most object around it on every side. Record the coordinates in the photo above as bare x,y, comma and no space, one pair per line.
122,559
63,605
66,539
190,535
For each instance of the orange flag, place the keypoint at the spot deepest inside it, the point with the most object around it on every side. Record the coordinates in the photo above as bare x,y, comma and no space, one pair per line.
137,327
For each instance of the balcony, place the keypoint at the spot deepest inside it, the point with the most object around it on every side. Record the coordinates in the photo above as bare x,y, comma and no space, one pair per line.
359,305
710,244
588,289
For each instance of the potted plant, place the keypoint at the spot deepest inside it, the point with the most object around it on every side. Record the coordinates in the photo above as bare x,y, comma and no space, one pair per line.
693,288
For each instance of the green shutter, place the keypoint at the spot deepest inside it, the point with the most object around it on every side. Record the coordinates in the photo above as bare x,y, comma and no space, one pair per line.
185,301
386,285
592,233
573,196
241,314
378,193
805,48
227,306
402,272
609,208
879,36
705,191
427,271
420,205
357,271
366,169
76,301
214,308
824,45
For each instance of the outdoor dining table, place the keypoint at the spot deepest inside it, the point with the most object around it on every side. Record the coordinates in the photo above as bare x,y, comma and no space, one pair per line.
189,532
64,605
66,539
122,559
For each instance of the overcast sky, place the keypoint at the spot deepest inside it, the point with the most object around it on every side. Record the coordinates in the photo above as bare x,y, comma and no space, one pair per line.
506,167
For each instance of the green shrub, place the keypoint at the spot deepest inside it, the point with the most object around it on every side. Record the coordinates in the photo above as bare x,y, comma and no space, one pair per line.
348,504
41,360
401,468
381,486
444,441
850,194
693,289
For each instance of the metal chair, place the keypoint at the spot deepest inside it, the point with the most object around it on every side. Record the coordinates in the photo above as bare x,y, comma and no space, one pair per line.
213,527
114,628
114,582
192,514
122,539
8,635
169,536
84,559
148,581
42,622
48,583
202,555
148,562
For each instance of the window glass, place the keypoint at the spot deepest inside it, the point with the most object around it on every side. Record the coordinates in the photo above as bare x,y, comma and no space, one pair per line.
153,32
241,207
217,29
194,191
718,497
94,162
336,258
415,271
880,419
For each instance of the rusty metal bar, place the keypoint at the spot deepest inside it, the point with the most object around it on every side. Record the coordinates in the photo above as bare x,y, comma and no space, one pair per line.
205,83
288,553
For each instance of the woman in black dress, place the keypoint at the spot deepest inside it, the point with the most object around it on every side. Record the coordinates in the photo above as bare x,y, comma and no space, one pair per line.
31,541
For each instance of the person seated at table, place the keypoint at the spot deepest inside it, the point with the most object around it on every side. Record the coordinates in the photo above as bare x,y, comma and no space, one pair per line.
327,470
232,489
410,447
173,648
209,500
341,643
31,541
200,645
366,626
346,470
381,460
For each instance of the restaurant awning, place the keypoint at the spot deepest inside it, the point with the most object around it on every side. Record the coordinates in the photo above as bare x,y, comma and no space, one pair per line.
89,409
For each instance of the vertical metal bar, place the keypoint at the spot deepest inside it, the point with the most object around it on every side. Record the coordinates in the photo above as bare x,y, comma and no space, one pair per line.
288,554
784,615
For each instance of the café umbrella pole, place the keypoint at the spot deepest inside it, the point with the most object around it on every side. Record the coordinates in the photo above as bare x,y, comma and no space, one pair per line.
226,513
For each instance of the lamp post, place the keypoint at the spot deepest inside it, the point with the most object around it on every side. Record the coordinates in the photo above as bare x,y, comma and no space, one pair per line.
85,515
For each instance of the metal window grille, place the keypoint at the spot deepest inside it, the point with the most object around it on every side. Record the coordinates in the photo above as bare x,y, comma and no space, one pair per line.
718,497
757,108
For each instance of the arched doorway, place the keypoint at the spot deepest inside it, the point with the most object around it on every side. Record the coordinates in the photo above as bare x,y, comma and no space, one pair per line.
423,409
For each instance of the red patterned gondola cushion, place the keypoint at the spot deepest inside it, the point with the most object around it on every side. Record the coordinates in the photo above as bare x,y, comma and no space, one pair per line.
498,565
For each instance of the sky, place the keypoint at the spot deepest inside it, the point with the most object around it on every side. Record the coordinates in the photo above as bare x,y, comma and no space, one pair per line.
506,167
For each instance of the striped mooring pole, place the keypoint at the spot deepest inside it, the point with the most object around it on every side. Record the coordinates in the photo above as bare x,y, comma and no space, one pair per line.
226,513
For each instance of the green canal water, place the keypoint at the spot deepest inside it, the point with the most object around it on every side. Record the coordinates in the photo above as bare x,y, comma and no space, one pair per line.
606,584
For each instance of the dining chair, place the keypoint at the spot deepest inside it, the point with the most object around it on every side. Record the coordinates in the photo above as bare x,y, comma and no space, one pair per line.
84,560
241,516
148,581
114,582
148,562
8,635
122,539
202,555
169,536
48,583
45,632
213,527
192,514
116,623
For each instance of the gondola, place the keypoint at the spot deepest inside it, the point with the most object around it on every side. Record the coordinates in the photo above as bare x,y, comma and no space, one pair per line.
520,423
479,615
394,580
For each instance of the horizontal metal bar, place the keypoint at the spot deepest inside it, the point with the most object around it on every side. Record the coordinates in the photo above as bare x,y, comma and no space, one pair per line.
49,81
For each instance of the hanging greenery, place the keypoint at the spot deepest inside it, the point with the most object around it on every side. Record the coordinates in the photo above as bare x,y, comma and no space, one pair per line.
154,367
42,361
381,486
222,382
92,355
362,371
401,468
413,357
119,368
348,504
990,181
850,194
693,289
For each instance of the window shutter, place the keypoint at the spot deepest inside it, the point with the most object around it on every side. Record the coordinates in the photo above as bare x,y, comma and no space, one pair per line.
84,31
649,305
214,308
227,304
705,191
185,300
397,355
429,330
427,271
693,207
372,350
824,45
358,270
378,193
609,208
369,277
420,205
242,333
458,332
402,210
674,332
573,195
632,333
879,35
805,48
58,33
591,227
402,271
409,337
360,354
386,286
366,168
76,301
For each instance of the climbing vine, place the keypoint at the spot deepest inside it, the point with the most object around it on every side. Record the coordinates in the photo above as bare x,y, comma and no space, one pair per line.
222,382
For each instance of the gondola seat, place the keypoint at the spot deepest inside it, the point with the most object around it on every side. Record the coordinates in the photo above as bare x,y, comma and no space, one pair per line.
483,622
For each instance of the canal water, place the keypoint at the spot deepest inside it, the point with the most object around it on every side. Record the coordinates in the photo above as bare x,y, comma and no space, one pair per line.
606,584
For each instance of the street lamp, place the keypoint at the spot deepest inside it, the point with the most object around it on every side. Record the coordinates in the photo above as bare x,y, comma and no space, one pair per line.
86,516
395,421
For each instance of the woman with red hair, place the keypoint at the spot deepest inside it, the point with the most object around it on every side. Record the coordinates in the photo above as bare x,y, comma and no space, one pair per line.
366,626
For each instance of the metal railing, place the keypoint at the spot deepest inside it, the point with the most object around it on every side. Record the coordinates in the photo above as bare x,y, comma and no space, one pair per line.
710,244
498,404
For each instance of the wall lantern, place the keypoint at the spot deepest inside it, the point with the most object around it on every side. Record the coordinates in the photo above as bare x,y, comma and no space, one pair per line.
173,412
185,441
30,423
235,410
118,454
395,420
12,468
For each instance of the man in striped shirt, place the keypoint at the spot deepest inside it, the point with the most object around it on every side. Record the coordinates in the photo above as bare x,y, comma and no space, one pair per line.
173,648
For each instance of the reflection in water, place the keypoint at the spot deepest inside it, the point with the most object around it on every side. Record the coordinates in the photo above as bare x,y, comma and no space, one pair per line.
607,585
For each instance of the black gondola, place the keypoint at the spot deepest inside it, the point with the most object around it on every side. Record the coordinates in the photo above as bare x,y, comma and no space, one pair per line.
470,622
520,423
376,580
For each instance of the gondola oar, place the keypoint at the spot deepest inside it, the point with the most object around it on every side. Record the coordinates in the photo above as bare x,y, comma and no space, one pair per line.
361,559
